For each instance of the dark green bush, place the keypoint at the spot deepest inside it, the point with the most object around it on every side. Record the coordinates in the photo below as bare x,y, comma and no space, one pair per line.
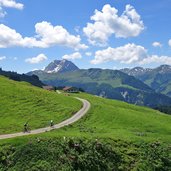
85,155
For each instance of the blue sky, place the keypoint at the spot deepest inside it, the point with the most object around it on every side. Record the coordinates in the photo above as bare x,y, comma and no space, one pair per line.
120,33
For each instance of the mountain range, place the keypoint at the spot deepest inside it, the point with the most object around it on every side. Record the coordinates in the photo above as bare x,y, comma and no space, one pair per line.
158,78
124,85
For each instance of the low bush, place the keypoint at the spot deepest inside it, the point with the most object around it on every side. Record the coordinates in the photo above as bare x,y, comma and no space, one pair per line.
85,155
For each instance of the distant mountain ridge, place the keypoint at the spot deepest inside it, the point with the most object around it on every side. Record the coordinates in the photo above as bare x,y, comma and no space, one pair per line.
108,83
158,78
33,79
136,71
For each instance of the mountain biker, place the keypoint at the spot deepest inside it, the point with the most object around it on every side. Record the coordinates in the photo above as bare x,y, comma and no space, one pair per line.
26,127
51,123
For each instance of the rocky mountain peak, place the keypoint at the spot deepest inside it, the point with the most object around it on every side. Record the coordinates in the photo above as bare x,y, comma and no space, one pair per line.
164,69
135,71
60,66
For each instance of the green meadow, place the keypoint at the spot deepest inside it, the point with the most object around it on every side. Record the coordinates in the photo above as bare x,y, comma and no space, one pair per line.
21,102
113,119
113,135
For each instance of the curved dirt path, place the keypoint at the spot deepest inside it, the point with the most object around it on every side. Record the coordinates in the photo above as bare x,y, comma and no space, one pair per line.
74,118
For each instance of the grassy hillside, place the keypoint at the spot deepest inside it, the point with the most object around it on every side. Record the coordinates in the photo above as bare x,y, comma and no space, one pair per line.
119,120
106,118
112,136
20,102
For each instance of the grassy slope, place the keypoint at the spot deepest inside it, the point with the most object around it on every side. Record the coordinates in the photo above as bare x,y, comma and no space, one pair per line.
116,120
119,120
21,102
111,122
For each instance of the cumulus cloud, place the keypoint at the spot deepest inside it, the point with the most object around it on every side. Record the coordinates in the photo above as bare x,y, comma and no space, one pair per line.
2,58
51,35
73,56
46,36
129,54
11,4
9,37
108,22
156,59
37,59
88,53
157,44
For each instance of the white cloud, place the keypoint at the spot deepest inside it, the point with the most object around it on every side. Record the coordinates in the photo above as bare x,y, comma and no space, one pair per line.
157,44
46,36
157,60
129,54
73,56
108,22
51,35
88,53
9,37
169,42
37,59
11,4
2,58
